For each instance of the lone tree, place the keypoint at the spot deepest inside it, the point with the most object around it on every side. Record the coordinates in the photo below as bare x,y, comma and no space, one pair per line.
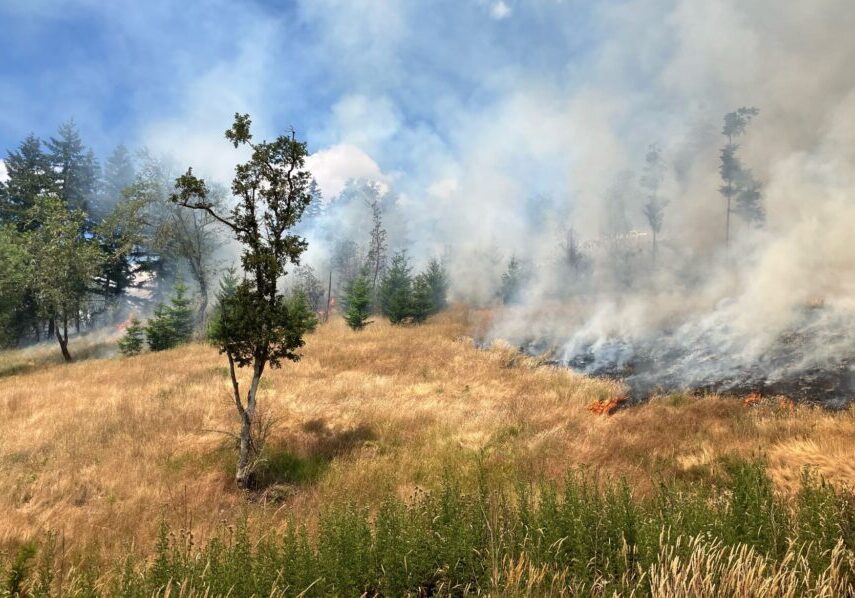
651,180
738,183
377,245
256,326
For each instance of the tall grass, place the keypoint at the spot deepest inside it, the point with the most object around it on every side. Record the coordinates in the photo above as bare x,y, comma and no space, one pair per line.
584,536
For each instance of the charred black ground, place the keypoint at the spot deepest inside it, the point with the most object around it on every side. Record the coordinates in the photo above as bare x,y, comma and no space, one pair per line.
813,363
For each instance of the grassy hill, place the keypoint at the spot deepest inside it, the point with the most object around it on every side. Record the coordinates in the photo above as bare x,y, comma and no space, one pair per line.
102,453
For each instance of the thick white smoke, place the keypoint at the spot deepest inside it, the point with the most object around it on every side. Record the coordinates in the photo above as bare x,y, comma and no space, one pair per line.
530,147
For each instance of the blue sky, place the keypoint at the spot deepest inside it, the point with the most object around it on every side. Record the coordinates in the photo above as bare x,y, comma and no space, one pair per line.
123,68
470,106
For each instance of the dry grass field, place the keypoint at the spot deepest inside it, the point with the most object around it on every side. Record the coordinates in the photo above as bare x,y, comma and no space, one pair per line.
102,450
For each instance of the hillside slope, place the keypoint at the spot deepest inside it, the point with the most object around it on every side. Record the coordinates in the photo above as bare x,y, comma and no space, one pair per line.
102,450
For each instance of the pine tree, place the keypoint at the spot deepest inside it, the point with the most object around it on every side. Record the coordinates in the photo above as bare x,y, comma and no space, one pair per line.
654,208
300,311
437,279
422,301
315,209
357,302
171,325
75,168
119,175
132,342
15,317
512,281
181,313
377,243
739,185
311,286
396,290
228,287
29,172
159,332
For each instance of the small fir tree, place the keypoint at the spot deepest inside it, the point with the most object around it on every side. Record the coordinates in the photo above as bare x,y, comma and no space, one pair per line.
512,281
171,325
181,313
357,301
132,342
422,304
228,287
158,330
300,310
397,289
437,279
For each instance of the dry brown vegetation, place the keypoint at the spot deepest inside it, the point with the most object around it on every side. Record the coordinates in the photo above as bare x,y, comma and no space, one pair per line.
101,450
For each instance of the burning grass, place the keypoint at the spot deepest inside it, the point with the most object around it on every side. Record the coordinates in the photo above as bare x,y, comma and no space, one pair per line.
101,451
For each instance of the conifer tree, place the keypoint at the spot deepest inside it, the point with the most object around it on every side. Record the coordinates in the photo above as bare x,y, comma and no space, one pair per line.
301,311
377,243
739,186
74,167
29,176
181,314
131,342
512,281
228,287
396,290
15,315
651,180
315,209
119,175
422,302
159,332
437,279
357,302
171,325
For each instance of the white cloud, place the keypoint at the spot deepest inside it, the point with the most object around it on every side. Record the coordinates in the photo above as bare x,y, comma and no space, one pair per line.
334,166
500,10
4,175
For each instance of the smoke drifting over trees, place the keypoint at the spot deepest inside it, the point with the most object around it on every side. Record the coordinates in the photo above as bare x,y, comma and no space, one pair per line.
610,169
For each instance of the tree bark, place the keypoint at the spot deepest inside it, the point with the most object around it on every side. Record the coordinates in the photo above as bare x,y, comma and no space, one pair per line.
246,458
203,304
63,340
245,471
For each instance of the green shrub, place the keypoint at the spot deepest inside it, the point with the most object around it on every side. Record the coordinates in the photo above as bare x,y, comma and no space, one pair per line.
585,533
131,342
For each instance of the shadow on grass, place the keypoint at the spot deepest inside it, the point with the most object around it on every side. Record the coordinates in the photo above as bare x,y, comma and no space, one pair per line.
45,355
288,464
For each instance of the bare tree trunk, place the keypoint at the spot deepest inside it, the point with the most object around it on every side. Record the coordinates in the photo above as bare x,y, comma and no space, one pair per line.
654,248
727,222
245,470
329,299
62,339
203,304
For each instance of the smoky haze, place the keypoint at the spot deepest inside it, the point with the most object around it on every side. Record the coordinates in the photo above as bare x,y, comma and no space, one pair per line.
549,170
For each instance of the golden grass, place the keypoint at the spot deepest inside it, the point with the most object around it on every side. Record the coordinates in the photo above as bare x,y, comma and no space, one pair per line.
101,450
